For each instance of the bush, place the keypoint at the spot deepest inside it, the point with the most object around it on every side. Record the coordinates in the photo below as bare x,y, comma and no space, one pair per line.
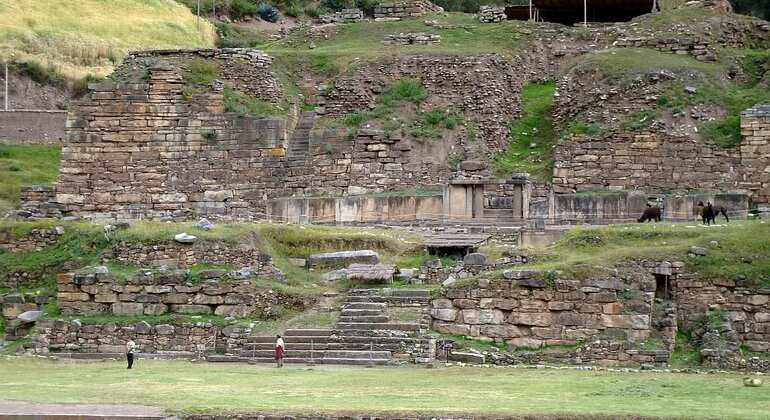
293,9
724,133
202,72
407,90
80,86
336,5
367,6
312,12
37,72
240,9
268,13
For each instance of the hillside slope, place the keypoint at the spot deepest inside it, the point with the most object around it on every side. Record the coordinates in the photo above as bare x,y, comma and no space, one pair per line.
78,38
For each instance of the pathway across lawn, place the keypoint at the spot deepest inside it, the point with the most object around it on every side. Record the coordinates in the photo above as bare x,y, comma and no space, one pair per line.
181,386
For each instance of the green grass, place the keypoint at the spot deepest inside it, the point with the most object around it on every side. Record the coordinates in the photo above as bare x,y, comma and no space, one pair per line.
532,135
25,165
201,72
363,40
83,37
624,64
216,388
684,354
743,248
243,104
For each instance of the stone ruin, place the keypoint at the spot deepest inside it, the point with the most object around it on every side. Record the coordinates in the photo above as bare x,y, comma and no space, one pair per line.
404,9
343,16
491,13
411,38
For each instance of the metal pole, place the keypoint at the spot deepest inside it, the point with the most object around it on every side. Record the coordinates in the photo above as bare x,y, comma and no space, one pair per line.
530,10
585,13
6,85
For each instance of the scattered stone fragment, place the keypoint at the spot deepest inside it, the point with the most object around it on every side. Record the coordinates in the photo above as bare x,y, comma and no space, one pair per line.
184,238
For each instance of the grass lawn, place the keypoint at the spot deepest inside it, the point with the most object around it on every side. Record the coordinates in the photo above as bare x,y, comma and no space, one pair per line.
25,165
77,38
181,386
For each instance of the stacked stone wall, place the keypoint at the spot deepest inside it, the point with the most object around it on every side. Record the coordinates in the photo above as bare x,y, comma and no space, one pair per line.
527,311
491,14
748,309
404,9
35,240
755,153
343,16
411,38
177,337
649,161
39,201
156,293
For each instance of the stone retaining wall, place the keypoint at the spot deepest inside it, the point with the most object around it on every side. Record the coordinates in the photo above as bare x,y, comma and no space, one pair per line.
343,16
32,126
491,14
755,153
526,310
401,9
156,293
411,38
35,240
39,201
61,336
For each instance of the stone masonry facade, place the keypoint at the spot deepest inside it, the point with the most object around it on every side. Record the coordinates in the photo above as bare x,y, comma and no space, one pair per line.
404,9
755,153
161,292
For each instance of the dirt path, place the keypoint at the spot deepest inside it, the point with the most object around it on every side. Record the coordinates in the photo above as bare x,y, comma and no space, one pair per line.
20,409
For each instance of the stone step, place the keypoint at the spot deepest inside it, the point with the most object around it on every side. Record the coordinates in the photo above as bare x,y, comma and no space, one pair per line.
365,305
369,326
361,312
288,339
293,346
304,354
308,332
365,318
388,299
356,354
325,361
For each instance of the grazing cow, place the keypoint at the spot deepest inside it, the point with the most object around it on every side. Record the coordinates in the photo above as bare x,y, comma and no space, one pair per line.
651,213
709,213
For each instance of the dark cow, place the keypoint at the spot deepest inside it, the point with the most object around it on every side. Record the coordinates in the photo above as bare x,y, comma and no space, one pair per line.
709,213
651,213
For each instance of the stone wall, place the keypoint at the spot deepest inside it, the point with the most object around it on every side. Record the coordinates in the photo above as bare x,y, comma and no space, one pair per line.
403,9
39,201
32,127
160,292
755,153
35,240
491,14
411,38
527,310
173,254
650,161
59,336
748,309
145,150
343,16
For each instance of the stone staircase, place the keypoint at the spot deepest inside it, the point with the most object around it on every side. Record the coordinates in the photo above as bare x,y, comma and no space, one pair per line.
299,145
364,334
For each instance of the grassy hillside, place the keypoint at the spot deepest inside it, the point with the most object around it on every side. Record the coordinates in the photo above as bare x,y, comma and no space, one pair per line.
25,165
78,38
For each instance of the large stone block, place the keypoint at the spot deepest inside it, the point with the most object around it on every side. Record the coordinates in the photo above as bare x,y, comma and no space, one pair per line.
127,308
155,309
442,304
201,299
444,314
528,342
451,328
237,311
72,297
617,321
540,319
758,299
499,331
482,316
106,298
191,309
12,310
176,298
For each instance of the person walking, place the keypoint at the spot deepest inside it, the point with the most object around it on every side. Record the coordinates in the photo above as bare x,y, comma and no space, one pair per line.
130,347
280,351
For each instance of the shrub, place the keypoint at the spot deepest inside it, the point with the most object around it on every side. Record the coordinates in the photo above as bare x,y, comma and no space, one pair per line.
408,90
312,12
80,87
367,6
240,9
293,9
268,13
724,133
38,73
202,72
239,102
336,5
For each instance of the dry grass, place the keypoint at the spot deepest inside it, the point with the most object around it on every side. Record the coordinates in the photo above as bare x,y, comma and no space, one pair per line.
78,38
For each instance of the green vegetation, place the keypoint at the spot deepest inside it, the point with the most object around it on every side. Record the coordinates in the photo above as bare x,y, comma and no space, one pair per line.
243,104
323,389
743,253
232,36
25,165
463,342
86,37
684,354
584,129
202,72
532,135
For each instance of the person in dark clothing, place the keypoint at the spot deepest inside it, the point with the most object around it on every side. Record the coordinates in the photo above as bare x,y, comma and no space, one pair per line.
130,347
